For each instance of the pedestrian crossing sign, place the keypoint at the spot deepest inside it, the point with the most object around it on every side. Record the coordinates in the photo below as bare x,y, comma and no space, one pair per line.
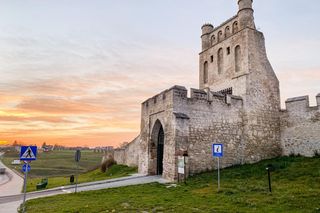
28,153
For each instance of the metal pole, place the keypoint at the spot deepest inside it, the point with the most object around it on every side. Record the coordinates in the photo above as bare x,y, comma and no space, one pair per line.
269,178
25,188
218,174
184,169
77,177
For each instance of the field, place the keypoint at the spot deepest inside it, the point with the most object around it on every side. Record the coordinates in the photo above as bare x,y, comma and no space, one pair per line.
57,163
295,181
58,166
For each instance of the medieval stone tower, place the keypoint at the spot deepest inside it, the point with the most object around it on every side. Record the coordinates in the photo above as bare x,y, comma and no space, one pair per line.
234,61
237,104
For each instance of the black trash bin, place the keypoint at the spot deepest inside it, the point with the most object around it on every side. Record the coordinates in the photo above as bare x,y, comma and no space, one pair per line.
72,179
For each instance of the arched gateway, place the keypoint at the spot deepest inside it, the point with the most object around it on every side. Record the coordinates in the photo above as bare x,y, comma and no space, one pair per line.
157,149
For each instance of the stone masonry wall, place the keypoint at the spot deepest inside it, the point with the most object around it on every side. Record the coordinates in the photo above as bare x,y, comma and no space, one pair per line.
158,111
261,103
208,118
300,127
128,155
191,125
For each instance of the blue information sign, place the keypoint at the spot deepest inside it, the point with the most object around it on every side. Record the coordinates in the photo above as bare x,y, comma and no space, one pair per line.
28,153
26,167
217,150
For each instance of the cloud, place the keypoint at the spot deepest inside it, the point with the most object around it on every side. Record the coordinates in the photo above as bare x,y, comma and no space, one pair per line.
58,106
49,119
87,90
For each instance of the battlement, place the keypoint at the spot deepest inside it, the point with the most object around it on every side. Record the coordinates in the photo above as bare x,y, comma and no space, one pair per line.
180,93
301,103
228,22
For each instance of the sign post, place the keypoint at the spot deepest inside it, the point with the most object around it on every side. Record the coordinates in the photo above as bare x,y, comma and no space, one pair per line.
27,154
181,166
77,159
25,187
217,151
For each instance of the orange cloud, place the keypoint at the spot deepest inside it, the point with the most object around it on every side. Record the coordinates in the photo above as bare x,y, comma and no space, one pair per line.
58,106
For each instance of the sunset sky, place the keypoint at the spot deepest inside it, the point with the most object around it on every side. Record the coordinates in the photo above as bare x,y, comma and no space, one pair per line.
74,72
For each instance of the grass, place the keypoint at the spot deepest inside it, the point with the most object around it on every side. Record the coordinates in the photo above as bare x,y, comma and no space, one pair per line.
56,163
295,181
114,171
59,165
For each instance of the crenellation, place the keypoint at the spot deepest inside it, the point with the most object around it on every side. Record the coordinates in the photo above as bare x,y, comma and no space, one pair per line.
298,103
300,127
198,94
301,103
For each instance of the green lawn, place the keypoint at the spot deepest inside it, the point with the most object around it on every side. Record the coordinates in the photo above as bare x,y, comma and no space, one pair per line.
296,188
58,166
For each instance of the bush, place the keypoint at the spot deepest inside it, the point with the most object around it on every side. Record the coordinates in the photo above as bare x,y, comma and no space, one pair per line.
107,164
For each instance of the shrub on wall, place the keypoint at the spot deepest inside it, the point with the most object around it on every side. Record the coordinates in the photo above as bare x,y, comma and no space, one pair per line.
107,164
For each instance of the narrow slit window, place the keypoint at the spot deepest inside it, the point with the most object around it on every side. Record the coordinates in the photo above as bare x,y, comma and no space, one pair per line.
205,72
220,61
237,55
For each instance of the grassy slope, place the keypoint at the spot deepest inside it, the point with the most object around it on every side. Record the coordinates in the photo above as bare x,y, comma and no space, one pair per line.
113,172
296,188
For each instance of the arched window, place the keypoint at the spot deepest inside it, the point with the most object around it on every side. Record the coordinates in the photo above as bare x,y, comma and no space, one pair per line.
237,55
235,27
213,40
205,72
220,60
227,32
219,36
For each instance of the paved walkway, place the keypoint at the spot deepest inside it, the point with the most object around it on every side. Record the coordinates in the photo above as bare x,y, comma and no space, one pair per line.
112,183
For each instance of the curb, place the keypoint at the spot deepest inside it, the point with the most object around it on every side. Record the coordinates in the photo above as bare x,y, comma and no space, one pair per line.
69,187
88,184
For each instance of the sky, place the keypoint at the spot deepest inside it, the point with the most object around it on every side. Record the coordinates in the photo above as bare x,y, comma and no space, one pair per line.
74,72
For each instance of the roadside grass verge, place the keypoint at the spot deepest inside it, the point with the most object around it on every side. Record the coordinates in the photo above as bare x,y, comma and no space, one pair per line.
295,181
115,171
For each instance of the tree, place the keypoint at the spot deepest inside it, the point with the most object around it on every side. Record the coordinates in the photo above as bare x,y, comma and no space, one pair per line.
44,145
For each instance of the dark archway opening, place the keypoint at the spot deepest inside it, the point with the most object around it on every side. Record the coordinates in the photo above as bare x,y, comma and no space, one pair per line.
160,146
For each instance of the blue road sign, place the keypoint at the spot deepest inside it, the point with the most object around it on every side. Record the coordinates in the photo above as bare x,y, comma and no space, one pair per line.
28,153
26,167
217,150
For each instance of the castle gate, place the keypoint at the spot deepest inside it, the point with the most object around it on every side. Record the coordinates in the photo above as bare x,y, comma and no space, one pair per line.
157,149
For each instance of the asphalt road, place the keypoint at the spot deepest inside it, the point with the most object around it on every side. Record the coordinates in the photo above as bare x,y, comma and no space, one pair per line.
11,184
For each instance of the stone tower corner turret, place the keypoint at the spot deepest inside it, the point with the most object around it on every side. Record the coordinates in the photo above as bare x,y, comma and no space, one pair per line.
245,14
205,36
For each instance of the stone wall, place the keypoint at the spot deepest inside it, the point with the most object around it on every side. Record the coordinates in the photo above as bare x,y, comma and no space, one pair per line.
190,125
261,103
208,118
128,155
155,112
300,127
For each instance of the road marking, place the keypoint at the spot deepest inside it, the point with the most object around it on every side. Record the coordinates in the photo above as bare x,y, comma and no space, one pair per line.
66,191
